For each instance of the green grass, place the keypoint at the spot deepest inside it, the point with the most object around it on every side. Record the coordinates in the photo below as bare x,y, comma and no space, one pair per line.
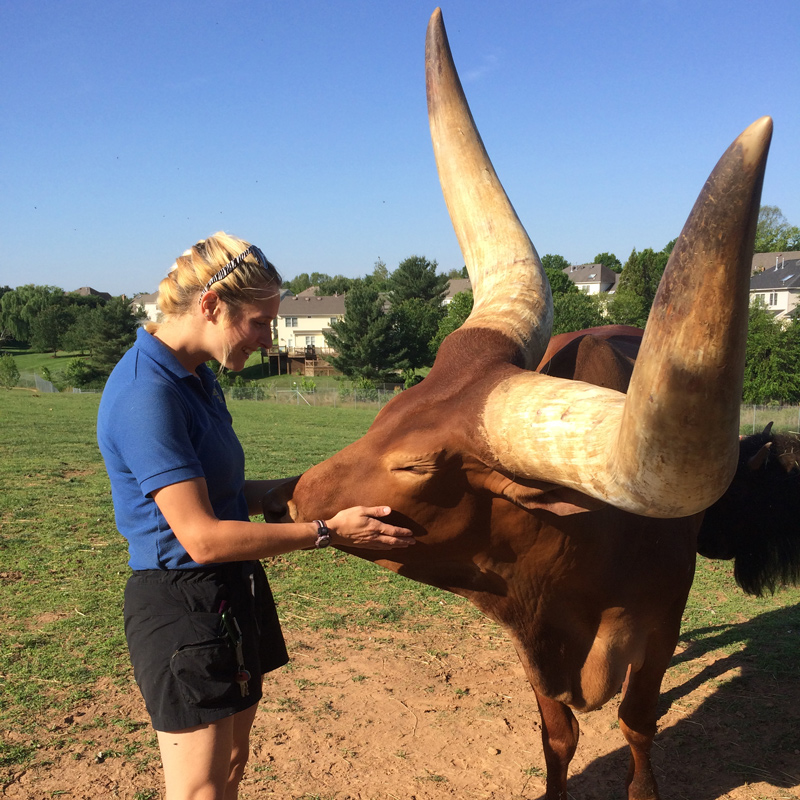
63,565
28,361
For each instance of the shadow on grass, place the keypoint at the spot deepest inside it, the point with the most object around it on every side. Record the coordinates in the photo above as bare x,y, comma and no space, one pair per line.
745,730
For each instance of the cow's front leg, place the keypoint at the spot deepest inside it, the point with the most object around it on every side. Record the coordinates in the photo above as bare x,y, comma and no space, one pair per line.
560,738
638,712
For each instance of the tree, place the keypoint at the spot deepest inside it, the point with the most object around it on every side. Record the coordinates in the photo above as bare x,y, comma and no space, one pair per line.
414,325
574,311
773,352
637,286
20,306
416,278
417,294
380,272
78,336
773,232
608,260
458,274
339,284
9,371
112,330
554,266
364,340
379,278
456,313
48,328
555,262
319,277
298,284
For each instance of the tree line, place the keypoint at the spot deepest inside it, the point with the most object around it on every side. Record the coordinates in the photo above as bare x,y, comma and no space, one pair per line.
46,319
394,322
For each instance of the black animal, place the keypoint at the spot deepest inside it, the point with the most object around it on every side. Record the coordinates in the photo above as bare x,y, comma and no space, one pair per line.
757,521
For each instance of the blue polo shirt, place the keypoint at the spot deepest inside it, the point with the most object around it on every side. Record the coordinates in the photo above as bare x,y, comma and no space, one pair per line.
159,424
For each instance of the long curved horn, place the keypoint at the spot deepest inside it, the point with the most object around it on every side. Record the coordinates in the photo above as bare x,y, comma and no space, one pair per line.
510,287
669,447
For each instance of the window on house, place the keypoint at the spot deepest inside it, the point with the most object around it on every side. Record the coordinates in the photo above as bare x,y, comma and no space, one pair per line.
291,322
309,341
773,298
332,320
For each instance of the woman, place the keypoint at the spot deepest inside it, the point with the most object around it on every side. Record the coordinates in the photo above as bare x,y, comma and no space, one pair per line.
199,616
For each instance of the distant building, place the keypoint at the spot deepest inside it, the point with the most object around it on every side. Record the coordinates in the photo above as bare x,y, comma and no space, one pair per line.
593,278
304,319
149,304
455,286
762,261
87,291
778,288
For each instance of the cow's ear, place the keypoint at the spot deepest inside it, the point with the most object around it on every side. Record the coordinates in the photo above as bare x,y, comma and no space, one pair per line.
542,496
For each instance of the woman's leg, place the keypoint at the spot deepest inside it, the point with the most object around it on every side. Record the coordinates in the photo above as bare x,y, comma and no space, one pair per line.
207,762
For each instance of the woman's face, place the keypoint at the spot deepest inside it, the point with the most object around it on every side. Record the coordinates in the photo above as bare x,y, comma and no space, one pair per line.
250,330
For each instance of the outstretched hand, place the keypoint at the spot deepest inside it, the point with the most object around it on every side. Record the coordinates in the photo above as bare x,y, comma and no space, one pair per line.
361,526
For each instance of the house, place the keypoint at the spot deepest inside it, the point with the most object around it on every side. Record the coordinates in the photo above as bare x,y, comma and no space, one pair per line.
592,278
304,319
778,288
149,304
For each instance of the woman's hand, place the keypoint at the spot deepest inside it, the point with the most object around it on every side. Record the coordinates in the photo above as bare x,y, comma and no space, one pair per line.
361,527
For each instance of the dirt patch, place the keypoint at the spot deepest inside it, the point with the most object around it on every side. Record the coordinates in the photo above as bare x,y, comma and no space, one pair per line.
438,714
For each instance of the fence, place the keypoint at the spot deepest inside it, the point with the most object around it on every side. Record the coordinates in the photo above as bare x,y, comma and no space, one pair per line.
752,418
341,398
30,380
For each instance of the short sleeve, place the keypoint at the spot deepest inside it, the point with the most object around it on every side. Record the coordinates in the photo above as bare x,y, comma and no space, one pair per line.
148,429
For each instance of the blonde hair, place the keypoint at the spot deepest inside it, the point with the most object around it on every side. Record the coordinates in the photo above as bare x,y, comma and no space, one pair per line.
252,279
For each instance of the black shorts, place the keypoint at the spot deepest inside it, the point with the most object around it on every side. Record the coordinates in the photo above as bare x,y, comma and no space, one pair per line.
184,660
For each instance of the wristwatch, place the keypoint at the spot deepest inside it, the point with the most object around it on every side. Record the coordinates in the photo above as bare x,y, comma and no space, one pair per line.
323,534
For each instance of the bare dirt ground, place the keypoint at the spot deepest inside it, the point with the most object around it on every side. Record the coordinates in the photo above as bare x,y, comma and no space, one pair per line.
439,714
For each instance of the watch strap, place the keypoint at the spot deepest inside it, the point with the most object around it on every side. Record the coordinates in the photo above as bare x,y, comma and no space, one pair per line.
323,534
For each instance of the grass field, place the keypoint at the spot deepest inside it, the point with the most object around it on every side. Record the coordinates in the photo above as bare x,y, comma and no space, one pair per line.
63,565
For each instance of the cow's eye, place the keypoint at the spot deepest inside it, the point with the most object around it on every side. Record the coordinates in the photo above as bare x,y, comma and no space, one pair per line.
415,464
416,469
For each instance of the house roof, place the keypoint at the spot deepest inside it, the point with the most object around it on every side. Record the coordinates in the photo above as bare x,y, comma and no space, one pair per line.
457,285
308,306
591,273
87,291
762,261
787,277
142,299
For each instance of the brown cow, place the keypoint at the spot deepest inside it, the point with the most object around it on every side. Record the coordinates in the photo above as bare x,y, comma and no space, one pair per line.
550,503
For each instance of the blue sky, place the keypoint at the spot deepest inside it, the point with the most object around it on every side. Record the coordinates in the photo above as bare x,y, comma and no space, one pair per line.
130,130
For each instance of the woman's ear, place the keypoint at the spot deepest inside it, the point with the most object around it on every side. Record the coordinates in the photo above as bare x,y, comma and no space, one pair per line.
210,306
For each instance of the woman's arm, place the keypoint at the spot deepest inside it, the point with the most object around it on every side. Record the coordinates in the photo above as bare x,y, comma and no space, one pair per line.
187,509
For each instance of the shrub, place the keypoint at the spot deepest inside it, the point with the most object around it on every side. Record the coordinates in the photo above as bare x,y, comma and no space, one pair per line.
9,371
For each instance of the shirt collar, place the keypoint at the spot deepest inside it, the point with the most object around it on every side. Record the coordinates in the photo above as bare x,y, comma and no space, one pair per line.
161,354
